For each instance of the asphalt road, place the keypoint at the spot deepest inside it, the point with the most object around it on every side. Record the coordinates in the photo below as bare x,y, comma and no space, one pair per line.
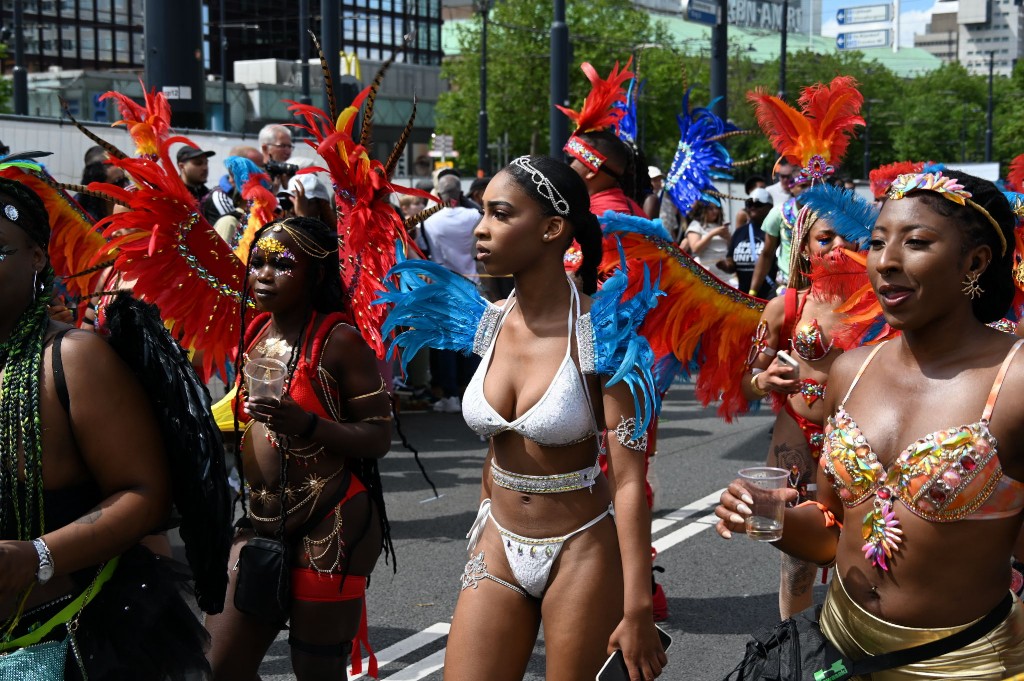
718,591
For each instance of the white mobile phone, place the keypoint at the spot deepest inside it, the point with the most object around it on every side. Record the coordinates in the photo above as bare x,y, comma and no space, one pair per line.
788,361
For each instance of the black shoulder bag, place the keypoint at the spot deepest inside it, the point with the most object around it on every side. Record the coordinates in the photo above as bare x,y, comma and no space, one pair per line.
796,650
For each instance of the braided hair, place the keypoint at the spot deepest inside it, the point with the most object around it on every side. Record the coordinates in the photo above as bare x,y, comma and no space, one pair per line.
328,295
21,355
586,229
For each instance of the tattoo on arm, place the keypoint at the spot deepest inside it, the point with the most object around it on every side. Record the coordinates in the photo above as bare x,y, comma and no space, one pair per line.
90,518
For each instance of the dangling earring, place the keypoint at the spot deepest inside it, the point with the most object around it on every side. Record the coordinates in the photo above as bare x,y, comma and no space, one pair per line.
971,288
35,287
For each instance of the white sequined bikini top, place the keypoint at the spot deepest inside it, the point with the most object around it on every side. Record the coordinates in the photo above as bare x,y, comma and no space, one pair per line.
563,415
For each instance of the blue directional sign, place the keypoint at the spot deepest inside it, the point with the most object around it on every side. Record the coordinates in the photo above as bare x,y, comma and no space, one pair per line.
701,11
863,39
863,15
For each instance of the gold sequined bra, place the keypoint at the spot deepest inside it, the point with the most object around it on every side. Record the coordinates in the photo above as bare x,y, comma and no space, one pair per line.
948,475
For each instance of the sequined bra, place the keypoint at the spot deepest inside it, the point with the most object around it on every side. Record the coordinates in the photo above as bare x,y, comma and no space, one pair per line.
561,417
808,339
949,475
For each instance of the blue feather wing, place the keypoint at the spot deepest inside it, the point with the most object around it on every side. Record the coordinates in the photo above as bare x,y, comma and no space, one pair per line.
431,307
620,223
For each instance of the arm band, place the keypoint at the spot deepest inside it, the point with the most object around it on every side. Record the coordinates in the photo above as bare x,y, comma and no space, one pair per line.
830,518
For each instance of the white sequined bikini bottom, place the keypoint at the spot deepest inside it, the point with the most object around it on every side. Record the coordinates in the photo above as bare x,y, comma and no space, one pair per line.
530,559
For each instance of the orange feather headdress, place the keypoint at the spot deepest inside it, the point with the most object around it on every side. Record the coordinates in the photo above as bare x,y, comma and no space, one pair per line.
599,112
814,138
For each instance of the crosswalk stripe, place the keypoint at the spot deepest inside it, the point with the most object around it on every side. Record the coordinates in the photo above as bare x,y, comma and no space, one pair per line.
406,646
691,509
421,669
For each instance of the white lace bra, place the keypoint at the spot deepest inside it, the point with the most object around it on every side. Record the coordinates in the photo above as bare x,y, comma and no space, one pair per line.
563,415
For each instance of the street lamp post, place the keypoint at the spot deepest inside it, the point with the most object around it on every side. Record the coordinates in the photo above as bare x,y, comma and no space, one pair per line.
559,79
720,61
304,50
782,49
20,72
483,159
225,110
988,131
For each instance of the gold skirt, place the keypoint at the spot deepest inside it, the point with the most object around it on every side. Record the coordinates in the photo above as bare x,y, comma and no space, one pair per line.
857,633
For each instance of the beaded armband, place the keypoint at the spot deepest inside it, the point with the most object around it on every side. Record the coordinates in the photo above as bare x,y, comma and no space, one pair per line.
624,434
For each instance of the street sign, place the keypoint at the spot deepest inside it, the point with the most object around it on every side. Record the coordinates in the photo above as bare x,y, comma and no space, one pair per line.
863,39
863,15
701,11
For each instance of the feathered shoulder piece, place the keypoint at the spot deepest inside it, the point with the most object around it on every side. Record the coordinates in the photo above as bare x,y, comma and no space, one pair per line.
701,323
437,308
700,157
815,137
603,108
254,187
368,225
1015,177
74,242
610,343
850,216
883,176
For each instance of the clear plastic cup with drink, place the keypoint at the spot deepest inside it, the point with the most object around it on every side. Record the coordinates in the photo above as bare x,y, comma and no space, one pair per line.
264,377
767,487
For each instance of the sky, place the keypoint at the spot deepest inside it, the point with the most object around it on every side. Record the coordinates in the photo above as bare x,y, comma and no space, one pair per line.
914,15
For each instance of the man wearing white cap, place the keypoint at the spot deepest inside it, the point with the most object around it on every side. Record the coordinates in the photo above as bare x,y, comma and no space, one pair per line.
652,202
309,198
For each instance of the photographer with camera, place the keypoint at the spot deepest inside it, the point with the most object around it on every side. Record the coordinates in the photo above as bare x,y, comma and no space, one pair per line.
276,144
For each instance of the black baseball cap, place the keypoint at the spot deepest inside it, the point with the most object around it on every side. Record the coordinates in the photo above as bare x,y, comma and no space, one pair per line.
188,153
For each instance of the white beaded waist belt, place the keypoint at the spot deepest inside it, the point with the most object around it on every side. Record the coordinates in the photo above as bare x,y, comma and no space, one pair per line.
545,484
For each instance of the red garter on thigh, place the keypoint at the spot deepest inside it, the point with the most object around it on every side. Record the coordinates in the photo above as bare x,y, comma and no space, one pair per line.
310,586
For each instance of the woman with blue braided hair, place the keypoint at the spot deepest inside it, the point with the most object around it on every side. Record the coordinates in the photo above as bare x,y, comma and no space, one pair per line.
545,546
74,504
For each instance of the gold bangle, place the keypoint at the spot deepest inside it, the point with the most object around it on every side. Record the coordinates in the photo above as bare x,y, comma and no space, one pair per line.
752,292
758,390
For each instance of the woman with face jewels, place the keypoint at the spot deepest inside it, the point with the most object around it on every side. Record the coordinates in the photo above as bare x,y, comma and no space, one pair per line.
931,507
800,323
545,546
309,461
85,478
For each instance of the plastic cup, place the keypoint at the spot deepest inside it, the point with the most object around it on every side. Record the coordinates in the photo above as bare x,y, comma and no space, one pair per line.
264,377
767,487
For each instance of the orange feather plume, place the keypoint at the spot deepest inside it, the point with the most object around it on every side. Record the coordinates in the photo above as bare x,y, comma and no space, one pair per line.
148,124
827,115
262,203
599,111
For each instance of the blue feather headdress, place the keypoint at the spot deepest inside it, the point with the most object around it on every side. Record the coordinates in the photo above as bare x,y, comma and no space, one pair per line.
241,169
850,216
627,127
700,158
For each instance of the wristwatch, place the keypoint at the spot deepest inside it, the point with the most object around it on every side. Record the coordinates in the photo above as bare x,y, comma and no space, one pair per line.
45,570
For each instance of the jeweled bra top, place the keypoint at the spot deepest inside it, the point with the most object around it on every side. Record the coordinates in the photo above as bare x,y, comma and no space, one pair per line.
808,340
948,475
561,417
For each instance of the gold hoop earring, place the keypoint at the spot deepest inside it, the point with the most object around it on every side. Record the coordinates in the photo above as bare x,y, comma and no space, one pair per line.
971,288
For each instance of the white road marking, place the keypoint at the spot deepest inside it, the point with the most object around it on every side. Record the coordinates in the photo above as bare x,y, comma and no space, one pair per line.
421,669
691,509
406,646
435,661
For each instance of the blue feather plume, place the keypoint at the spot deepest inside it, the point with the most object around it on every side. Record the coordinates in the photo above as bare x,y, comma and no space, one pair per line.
240,169
621,223
438,308
698,159
627,128
849,215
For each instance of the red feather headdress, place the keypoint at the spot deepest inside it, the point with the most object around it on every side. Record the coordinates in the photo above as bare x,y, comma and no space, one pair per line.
883,176
598,112
1015,178
368,225
814,138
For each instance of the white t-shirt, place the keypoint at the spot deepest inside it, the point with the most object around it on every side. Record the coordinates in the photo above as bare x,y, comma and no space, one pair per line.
449,234
716,249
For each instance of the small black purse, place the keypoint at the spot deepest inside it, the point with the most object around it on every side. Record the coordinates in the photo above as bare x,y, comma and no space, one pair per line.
796,650
263,586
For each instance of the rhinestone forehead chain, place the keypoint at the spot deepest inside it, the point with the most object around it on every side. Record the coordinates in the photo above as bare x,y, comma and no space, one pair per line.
544,185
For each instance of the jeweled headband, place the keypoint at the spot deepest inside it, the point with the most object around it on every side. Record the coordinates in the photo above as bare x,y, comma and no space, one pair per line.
946,187
544,186
585,154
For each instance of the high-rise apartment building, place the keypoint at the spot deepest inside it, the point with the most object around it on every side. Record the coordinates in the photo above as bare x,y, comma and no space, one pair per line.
976,33
108,34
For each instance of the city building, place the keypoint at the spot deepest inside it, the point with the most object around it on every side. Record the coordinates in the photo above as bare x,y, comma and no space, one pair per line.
976,33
